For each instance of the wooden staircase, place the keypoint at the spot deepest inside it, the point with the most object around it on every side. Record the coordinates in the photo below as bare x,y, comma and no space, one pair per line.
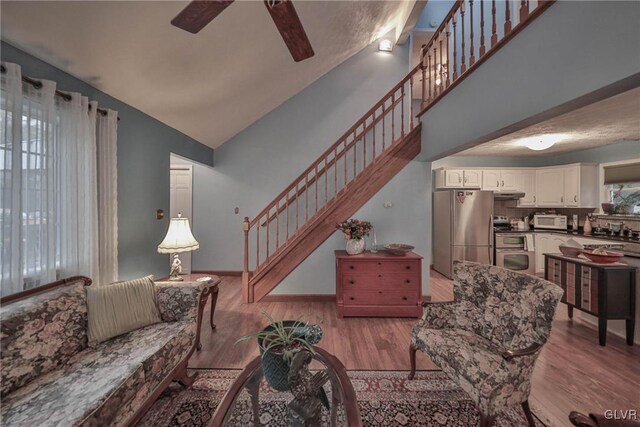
371,152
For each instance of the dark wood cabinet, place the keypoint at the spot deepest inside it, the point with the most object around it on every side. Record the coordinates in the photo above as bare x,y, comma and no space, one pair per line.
607,291
379,285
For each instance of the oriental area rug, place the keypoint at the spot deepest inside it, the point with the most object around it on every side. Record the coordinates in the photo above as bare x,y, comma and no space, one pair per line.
385,398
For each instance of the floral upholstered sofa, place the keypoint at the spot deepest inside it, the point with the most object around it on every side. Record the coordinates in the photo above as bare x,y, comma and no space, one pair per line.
50,376
489,337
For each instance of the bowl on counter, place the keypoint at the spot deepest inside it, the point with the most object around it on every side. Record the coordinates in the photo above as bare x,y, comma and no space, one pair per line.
609,258
570,251
398,248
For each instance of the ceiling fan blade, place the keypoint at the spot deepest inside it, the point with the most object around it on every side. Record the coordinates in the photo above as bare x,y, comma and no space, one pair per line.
198,14
286,19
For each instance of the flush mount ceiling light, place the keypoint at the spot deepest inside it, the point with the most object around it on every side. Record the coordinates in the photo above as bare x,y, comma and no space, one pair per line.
385,45
542,142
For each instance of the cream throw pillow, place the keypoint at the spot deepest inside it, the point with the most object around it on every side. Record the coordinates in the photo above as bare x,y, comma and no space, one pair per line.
120,307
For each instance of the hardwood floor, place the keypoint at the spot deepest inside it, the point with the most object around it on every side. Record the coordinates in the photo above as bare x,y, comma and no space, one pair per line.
572,373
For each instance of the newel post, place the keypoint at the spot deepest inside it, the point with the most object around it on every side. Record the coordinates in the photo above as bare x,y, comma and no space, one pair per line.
246,294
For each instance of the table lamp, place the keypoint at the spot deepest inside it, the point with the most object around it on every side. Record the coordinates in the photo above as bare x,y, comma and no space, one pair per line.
178,239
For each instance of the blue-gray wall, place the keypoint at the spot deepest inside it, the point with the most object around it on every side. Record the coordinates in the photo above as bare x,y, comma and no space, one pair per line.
434,11
557,58
254,166
144,146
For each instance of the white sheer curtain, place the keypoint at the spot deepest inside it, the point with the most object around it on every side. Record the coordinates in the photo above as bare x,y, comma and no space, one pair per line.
77,184
107,196
10,179
52,177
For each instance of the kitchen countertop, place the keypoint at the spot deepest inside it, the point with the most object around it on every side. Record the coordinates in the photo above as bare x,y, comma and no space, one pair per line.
608,237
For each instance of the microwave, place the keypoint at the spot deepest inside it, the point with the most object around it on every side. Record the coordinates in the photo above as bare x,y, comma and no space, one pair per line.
552,222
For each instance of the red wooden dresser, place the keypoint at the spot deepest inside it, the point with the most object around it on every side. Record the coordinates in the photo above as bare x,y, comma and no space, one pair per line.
378,285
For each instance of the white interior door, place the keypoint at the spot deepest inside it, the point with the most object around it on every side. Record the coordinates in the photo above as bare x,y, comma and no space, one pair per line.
181,201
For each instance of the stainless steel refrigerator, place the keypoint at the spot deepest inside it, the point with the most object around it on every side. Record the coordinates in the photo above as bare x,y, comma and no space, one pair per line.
462,228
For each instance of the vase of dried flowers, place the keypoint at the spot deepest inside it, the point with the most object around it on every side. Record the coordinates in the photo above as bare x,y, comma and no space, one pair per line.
354,232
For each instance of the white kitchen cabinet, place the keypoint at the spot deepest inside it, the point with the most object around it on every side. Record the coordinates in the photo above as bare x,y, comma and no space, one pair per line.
571,186
448,178
453,178
472,178
556,241
491,180
550,187
527,184
509,180
547,243
542,241
458,178
580,187
500,180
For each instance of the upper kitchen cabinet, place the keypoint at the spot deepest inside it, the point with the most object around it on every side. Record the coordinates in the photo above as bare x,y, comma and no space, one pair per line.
458,178
472,178
580,186
526,183
550,187
571,186
500,180
567,186
491,180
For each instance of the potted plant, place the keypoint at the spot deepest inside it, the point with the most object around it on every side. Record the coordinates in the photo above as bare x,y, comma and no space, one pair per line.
278,344
354,231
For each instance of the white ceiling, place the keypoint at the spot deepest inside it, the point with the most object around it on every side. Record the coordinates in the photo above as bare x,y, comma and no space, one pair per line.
605,122
211,85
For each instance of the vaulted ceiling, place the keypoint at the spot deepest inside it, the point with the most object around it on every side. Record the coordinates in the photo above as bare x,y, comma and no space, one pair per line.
210,85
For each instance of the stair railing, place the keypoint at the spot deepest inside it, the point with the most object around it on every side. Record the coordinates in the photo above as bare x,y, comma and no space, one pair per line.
464,40
384,125
444,64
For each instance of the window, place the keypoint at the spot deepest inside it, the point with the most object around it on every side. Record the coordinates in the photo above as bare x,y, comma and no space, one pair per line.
50,181
625,198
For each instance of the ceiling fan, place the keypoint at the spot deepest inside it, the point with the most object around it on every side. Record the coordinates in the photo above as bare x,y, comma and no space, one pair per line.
199,13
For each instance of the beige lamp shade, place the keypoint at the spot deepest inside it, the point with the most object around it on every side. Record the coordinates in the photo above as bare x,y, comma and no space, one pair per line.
179,237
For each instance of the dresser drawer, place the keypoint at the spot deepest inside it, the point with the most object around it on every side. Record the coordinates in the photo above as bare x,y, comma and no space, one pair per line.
390,281
381,297
377,267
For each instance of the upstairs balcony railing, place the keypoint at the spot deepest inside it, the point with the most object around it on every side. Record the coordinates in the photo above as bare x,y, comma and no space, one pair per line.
472,31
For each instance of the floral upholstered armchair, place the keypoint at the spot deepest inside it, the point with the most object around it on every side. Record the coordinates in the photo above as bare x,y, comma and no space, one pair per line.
489,337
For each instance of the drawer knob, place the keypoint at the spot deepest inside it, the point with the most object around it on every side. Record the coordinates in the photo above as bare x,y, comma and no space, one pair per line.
379,263
379,275
379,292
351,298
351,267
404,298
408,267
407,281
352,282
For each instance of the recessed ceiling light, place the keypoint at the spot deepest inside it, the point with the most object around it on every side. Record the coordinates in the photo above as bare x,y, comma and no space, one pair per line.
385,45
542,142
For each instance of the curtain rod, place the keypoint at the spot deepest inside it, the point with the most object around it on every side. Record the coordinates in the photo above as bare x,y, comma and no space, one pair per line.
38,84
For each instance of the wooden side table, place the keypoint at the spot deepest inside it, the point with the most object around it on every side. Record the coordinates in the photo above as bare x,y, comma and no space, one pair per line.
212,283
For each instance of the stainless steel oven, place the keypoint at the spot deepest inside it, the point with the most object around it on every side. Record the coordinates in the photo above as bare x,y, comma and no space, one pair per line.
515,251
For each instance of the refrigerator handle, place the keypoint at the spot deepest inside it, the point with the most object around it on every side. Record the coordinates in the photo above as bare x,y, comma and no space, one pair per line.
490,247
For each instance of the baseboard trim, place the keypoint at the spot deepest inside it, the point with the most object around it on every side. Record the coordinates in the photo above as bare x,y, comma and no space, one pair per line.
426,298
299,298
218,272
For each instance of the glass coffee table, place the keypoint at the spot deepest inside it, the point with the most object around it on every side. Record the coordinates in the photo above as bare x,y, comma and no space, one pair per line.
252,402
